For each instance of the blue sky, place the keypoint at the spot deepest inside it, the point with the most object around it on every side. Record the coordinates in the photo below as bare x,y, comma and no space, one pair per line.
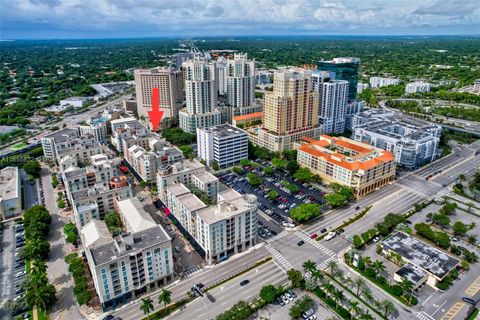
46,19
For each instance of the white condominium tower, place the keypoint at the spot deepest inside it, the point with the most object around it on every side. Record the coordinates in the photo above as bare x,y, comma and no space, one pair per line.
240,81
333,103
221,77
170,84
201,95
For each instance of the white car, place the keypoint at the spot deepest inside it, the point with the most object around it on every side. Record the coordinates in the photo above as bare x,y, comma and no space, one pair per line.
20,274
330,235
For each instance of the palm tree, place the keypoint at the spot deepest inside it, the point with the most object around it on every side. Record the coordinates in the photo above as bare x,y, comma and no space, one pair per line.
407,285
333,266
378,267
338,297
38,266
164,298
366,262
309,266
365,316
359,283
470,205
462,177
354,309
367,294
317,276
388,308
147,306
329,288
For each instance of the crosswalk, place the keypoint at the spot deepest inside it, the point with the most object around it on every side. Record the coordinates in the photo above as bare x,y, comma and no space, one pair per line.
301,234
416,192
278,236
423,316
324,264
191,271
284,264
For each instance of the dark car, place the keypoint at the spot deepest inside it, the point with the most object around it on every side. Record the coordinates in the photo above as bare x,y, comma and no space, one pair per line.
339,231
323,230
300,243
109,317
357,207
244,282
468,300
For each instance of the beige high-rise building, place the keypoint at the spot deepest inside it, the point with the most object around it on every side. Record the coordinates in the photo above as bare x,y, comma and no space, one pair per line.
170,83
290,112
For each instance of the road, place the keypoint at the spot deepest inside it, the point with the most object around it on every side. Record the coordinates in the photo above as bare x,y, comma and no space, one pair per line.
57,268
207,276
231,292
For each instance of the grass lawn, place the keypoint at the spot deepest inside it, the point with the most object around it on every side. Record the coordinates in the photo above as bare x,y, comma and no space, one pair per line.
19,146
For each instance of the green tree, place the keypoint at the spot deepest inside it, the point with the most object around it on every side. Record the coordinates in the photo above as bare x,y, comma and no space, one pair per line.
146,306
309,266
244,163
303,175
32,168
335,200
333,266
165,298
407,286
268,293
272,195
278,163
114,223
187,151
253,179
39,292
268,171
459,228
37,249
305,212
357,241
378,267
295,278
388,308
300,306
354,309
215,165
441,219
360,284
442,239
292,167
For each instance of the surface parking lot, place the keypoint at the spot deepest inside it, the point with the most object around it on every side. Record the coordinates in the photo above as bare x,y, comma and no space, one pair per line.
280,207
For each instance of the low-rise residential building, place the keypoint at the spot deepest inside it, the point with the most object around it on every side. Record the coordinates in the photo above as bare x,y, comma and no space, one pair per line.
350,163
362,86
146,163
131,264
222,229
95,127
413,142
377,82
50,141
224,145
10,195
419,86
190,173
434,262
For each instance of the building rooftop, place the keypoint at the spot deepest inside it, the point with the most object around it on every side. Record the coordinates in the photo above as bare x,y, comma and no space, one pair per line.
128,244
177,189
224,130
95,233
177,167
191,202
411,273
134,216
349,154
226,209
228,195
253,115
420,254
9,183
62,135
206,177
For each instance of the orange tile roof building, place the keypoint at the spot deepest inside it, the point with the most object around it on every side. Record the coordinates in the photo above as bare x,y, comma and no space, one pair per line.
247,119
347,162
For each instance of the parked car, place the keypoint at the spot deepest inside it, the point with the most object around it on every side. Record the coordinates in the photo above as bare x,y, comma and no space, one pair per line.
330,235
468,300
280,301
284,298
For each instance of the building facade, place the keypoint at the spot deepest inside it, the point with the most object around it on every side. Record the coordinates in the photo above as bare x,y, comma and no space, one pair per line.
333,97
344,69
10,193
170,84
377,82
224,144
350,163
240,81
415,87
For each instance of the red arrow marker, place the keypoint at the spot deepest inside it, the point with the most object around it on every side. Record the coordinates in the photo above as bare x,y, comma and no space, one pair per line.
155,114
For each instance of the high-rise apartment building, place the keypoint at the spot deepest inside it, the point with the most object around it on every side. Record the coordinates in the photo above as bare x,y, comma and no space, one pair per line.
240,81
333,97
222,71
290,112
344,69
181,57
170,84
201,95
418,86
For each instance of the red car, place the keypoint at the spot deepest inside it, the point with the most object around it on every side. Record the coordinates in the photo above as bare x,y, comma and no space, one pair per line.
313,236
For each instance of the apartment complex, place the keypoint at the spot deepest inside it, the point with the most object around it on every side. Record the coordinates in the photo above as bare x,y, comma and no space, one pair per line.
91,190
350,163
413,142
201,95
50,141
222,229
418,86
290,112
190,173
344,68
170,84
10,193
333,104
377,82
225,145
95,127
240,81
181,57
131,264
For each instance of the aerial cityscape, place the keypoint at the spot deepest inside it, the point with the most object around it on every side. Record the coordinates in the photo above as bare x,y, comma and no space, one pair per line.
239,160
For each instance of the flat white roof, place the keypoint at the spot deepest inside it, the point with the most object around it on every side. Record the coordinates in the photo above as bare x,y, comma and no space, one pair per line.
134,216
9,183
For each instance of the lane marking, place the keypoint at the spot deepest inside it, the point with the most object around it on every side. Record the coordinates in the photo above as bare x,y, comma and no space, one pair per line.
452,312
474,288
